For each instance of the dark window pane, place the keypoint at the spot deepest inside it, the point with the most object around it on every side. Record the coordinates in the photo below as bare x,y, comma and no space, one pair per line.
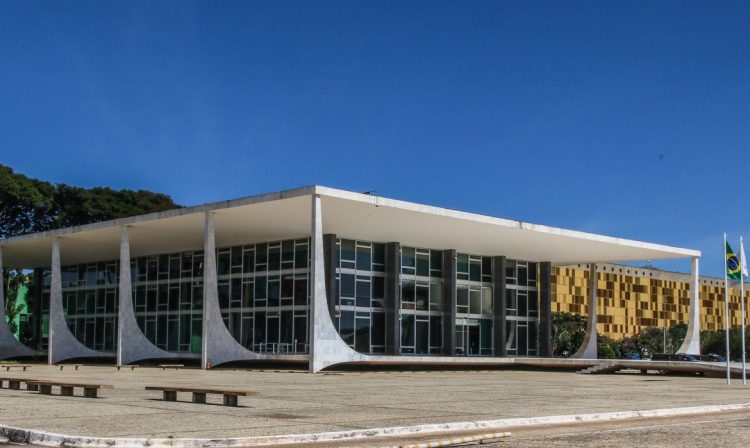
346,327
287,250
274,258
407,330
300,291
236,254
300,333
487,266
475,271
522,275
363,258
436,296
436,331
300,257
522,305
378,328
222,263
408,257
286,330
533,301
347,250
248,261
423,297
287,286
423,264
247,294
475,301
378,253
462,263
261,255
272,332
436,260
378,287
363,294
462,297
522,343
422,337
260,288
407,291
274,292
347,285
224,295
362,337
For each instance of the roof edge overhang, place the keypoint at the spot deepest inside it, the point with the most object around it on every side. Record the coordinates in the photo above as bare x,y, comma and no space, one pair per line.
248,200
502,222
411,207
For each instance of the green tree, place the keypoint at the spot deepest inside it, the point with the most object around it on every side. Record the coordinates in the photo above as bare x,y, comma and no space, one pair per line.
30,205
714,342
607,348
14,281
568,331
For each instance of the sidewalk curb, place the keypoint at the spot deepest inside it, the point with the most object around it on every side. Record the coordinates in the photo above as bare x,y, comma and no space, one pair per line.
30,436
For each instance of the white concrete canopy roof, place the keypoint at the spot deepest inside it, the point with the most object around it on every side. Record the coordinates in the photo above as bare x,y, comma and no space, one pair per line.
287,214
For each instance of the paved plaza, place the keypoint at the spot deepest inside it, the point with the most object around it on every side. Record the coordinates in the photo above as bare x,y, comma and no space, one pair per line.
293,402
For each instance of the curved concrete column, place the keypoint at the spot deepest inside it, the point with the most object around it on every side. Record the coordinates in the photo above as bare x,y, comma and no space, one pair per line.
10,347
588,349
62,343
132,344
326,346
218,344
692,342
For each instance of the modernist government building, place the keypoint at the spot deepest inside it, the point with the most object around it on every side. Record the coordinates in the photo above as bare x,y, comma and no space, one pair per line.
331,277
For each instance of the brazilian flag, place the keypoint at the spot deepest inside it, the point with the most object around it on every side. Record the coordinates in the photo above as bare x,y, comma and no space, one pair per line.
734,270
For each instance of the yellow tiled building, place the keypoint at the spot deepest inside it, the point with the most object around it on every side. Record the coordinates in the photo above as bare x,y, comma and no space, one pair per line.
630,298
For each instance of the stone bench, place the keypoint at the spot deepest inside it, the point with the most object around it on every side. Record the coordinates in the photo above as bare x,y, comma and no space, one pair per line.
199,394
125,367
75,366
16,366
67,389
15,383
171,366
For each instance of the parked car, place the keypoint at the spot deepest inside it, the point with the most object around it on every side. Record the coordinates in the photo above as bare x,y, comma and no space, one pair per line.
673,357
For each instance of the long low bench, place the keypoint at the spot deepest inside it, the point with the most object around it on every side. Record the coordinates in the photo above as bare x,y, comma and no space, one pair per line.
16,366
171,366
199,394
67,389
15,383
75,366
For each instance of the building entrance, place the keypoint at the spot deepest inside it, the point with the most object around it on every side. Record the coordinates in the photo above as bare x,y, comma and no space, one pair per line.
467,337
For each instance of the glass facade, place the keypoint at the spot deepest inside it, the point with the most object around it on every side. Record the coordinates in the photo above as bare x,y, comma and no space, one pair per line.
168,299
522,308
89,293
474,311
422,304
264,294
359,309
264,297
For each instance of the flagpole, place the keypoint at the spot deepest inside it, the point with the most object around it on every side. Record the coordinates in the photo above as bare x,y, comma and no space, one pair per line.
742,307
726,308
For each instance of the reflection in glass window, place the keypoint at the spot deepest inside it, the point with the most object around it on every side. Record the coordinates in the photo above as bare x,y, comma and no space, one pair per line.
361,275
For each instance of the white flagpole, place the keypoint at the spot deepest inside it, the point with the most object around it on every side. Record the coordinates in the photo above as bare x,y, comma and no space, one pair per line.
726,308
743,269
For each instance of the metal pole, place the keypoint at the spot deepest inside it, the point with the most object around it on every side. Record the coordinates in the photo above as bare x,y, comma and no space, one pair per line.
742,307
726,308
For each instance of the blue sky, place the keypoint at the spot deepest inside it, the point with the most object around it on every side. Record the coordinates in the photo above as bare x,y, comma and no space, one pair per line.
628,119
